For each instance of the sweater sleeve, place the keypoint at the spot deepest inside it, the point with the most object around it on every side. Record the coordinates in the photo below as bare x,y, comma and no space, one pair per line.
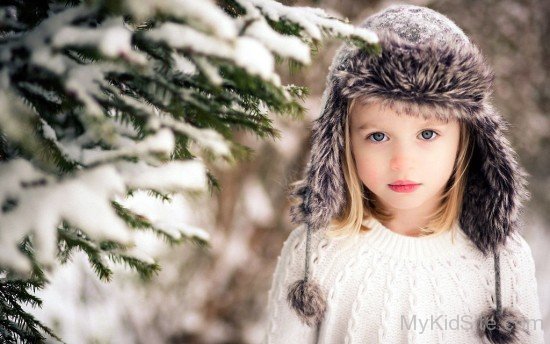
523,264
283,325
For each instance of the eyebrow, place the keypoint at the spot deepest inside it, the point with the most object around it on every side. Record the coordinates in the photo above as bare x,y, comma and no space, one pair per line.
368,125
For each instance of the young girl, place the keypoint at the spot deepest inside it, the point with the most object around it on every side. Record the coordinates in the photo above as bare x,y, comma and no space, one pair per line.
410,204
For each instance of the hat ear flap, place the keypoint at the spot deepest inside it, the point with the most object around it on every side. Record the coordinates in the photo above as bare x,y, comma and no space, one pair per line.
496,186
323,174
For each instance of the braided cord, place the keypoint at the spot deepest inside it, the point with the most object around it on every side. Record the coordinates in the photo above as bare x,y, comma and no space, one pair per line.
497,280
307,212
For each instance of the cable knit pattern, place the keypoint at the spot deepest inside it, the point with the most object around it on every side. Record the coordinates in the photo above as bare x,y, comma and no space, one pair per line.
384,287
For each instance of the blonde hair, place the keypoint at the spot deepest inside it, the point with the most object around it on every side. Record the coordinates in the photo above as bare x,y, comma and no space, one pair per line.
362,203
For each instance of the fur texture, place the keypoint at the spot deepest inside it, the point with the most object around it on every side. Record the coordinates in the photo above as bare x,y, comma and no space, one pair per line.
509,326
308,300
446,80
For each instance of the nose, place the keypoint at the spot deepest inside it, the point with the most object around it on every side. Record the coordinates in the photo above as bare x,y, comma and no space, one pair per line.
401,159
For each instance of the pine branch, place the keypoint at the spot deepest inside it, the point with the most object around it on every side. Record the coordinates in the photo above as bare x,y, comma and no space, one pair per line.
99,98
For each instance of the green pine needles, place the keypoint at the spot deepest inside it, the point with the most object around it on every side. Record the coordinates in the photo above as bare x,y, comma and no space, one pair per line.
99,99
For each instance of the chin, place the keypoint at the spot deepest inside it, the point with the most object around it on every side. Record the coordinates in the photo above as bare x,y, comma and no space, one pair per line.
403,201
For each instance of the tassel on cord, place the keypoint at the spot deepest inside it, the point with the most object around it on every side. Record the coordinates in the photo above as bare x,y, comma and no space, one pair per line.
305,296
502,326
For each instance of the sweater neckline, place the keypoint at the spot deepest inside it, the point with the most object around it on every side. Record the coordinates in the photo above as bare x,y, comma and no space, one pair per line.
409,247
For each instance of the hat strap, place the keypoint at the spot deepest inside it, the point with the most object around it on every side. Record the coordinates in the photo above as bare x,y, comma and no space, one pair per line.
496,256
308,239
307,212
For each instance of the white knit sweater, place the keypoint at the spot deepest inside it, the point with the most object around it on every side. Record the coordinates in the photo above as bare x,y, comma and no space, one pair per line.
384,287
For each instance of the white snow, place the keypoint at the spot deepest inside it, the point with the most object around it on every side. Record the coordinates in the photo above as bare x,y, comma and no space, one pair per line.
209,70
300,15
173,176
255,58
208,138
112,38
253,51
36,40
184,37
245,52
136,253
83,201
45,58
83,81
48,131
39,90
11,175
183,64
170,218
312,20
283,45
204,13
162,142
84,308
176,230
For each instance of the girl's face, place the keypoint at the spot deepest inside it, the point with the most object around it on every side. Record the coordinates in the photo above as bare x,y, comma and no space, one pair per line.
388,147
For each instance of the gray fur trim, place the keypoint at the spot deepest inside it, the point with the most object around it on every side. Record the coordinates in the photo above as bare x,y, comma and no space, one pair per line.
447,80
308,300
508,327
440,77
496,185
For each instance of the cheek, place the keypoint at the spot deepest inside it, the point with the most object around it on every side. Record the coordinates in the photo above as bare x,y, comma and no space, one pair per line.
440,165
369,171
447,168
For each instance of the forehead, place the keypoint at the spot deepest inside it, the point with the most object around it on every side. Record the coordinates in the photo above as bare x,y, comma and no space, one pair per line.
387,110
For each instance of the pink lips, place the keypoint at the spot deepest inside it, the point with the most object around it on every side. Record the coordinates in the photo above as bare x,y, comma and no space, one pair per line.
404,186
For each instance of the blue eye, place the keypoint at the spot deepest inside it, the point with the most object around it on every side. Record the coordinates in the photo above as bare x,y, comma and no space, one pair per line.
376,137
428,137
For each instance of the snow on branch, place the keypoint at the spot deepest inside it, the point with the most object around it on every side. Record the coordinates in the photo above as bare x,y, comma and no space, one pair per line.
313,20
111,38
204,14
83,200
174,176
244,51
98,99
103,99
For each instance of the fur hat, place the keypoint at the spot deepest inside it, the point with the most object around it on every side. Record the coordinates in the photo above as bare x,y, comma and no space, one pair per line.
426,63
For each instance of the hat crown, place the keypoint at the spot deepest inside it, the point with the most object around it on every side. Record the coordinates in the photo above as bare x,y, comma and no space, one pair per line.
415,24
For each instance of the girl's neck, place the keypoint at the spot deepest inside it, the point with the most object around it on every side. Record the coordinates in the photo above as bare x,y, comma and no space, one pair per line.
404,228
409,221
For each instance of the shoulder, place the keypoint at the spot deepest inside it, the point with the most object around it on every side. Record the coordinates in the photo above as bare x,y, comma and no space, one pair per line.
522,284
515,254
298,236
294,247
517,245
295,237
519,255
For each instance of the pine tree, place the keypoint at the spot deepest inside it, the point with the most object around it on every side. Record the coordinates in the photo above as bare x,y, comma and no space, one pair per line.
102,98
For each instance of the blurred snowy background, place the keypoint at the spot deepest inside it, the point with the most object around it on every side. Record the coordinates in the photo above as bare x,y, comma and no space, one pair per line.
219,295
